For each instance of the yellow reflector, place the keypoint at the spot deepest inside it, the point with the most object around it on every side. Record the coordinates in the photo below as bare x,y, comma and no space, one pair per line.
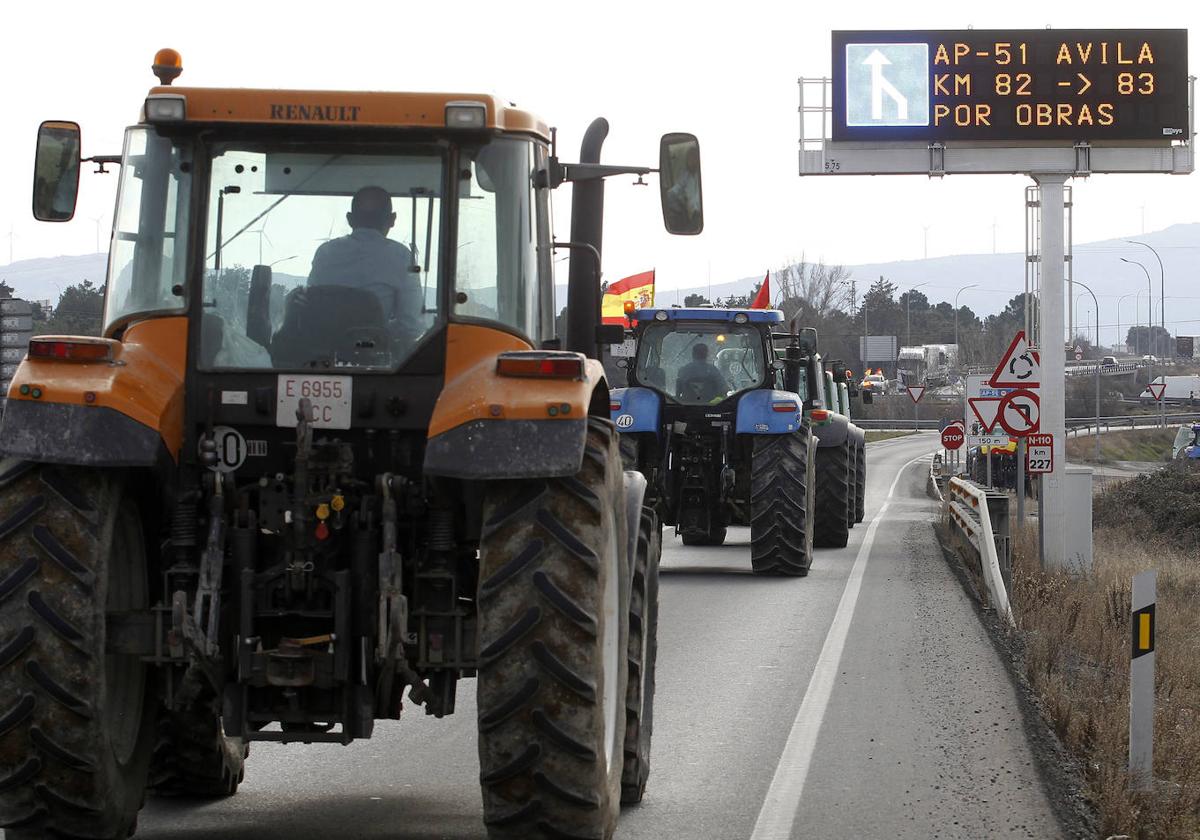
1144,631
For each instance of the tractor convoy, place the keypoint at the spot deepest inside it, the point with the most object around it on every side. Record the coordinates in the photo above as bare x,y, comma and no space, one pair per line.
267,507
734,421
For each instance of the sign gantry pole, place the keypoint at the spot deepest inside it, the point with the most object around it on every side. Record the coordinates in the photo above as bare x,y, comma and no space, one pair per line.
1053,358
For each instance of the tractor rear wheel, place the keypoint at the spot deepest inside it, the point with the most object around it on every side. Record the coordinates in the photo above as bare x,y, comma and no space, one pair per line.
833,496
643,656
781,503
76,721
553,646
860,483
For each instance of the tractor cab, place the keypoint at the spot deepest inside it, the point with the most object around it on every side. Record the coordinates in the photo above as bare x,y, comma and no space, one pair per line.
698,357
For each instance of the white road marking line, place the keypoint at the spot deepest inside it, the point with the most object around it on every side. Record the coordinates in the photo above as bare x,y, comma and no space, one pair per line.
778,813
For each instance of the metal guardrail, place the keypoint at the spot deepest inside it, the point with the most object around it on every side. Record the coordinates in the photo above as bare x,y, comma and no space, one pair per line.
967,506
1072,422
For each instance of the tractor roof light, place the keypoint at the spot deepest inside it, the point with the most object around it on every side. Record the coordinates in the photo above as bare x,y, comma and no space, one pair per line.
466,115
660,315
741,318
165,107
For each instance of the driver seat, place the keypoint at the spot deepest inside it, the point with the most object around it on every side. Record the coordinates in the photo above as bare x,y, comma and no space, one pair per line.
318,324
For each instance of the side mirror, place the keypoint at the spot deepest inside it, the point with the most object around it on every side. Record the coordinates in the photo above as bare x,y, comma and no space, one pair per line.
56,172
808,339
679,183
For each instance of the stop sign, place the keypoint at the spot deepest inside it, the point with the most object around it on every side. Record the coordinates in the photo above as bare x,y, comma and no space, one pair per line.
952,436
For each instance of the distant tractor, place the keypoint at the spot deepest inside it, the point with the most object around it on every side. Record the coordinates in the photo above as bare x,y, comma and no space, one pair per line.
714,417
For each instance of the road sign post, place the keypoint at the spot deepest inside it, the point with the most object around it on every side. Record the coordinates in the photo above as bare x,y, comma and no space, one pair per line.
915,392
1052,408
1141,682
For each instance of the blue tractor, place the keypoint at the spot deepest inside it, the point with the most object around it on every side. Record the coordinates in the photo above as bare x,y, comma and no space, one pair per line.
714,417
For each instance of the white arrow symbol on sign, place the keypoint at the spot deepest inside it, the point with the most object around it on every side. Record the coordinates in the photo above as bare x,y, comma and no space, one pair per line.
880,85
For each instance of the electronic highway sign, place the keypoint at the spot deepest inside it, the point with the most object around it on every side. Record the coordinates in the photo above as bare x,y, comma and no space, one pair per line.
1019,85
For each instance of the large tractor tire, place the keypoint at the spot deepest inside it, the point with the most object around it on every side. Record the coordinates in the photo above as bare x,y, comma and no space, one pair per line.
852,471
860,484
553,645
781,504
834,499
76,722
643,656
193,756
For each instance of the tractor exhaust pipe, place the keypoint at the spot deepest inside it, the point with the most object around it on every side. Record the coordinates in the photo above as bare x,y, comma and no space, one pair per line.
587,227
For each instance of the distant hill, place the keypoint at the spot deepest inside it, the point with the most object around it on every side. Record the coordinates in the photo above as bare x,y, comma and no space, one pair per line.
999,277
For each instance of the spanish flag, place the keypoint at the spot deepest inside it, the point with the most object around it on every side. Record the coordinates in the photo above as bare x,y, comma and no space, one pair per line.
638,288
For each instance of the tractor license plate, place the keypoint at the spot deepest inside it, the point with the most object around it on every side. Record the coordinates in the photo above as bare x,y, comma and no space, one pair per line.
329,395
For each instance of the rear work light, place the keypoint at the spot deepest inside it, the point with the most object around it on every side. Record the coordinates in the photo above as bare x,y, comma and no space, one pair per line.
70,351
787,405
541,365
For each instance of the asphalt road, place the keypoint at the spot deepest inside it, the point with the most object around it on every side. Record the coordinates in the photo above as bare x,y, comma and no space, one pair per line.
865,700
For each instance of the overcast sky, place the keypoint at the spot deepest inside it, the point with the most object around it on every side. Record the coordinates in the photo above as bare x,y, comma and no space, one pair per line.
726,72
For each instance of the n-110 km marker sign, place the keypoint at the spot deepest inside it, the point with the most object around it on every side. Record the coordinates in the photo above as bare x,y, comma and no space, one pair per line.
1074,85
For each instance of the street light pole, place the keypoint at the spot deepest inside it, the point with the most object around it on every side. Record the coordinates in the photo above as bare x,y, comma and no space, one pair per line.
1096,306
1119,341
1162,285
1149,314
908,311
957,348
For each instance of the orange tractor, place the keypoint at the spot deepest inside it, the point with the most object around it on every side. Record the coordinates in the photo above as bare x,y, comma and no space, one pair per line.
303,473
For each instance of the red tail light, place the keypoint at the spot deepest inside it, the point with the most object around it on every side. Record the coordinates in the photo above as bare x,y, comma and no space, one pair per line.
541,365
819,415
783,406
614,406
72,350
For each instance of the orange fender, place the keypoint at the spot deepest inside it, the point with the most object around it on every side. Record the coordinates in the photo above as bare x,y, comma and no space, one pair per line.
488,426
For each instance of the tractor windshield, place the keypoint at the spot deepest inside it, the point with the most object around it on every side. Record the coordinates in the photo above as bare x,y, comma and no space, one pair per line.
700,363
332,256
320,257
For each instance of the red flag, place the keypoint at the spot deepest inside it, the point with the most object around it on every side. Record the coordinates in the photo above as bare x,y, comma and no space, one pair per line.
762,300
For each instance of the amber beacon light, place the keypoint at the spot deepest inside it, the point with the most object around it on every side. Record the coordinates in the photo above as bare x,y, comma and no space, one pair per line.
168,64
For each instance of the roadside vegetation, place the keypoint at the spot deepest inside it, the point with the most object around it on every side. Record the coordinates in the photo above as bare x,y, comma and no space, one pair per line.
1075,631
1131,445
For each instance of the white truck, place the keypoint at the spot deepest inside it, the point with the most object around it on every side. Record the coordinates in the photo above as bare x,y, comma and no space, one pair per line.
1180,389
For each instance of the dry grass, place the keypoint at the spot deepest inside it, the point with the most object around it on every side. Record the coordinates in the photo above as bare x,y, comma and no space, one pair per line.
1076,634
1131,445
